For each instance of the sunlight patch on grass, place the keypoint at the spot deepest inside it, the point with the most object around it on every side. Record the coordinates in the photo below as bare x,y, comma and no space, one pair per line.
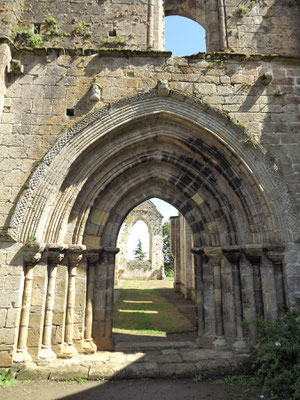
139,311
145,332
148,311
137,302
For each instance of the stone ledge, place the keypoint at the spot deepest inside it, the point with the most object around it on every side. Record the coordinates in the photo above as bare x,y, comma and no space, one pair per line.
135,365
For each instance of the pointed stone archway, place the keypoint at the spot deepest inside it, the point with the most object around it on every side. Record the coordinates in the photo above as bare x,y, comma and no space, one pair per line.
178,149
152,267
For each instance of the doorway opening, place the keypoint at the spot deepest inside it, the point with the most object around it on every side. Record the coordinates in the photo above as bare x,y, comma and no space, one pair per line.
183,36
150,296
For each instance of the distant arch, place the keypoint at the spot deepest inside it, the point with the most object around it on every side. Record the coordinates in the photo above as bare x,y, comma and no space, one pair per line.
151,268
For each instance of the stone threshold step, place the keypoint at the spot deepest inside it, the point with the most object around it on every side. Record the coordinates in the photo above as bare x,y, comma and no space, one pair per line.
155,345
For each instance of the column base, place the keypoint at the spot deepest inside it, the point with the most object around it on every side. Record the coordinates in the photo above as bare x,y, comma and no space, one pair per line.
46,355
67,351
239,345
104,344
89,346
219,342
21,356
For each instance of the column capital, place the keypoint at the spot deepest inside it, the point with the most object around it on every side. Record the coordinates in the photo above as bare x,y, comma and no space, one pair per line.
253,252
93,255
276,253
197,251
75,253
55,253
109,253
33,253
214,254
232,253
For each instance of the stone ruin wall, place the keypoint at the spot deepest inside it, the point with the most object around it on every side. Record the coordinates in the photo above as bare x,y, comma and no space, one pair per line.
34,104
181,249
153,266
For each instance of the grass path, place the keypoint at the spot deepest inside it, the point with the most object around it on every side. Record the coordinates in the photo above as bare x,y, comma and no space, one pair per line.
143,308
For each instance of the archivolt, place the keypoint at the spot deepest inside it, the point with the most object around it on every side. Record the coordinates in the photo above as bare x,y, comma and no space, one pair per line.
175,148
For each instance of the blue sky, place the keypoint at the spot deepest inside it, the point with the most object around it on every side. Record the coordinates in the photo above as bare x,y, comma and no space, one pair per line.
183,36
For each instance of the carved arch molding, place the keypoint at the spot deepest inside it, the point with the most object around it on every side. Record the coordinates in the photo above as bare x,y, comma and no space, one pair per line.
180,150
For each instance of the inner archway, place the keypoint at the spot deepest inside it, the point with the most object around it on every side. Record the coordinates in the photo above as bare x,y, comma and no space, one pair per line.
153,299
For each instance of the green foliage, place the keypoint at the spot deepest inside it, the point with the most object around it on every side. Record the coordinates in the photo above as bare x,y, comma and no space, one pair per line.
114,41
53,28
251,139
5,379
200,377
138,252
242,10
27,36
277,357
168,258
80,381
80,29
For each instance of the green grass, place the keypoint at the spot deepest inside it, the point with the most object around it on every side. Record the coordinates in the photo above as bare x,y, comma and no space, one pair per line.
147,312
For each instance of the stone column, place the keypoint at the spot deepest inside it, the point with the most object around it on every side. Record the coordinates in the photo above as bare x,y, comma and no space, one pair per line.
229,312
215,256
254,254
103,299
93,257
198,260
175,249
209,300
188,261
75,253
55,257
150,24
248,295
32,255
276,255
233,255
268,288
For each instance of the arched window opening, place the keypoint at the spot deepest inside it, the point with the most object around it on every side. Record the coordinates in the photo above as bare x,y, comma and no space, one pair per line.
138,242
183,36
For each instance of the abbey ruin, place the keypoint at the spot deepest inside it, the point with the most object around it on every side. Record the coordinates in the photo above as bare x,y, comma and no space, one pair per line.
97,118
152,267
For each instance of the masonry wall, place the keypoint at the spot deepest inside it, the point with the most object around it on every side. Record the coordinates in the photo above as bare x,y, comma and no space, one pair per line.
36,103
53,92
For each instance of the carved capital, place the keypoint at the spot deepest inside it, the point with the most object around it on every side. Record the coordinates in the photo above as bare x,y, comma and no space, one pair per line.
232,253
214,255
197,251
33,253
276,254
93,255
75,253
55,253
109,254
253,253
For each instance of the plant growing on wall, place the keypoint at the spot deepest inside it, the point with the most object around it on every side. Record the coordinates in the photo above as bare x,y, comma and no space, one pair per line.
52,25
138,252
27,36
